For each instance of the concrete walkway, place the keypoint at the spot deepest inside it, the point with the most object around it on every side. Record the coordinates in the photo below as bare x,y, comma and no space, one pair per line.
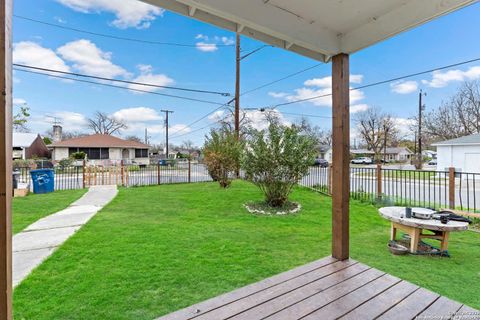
39,240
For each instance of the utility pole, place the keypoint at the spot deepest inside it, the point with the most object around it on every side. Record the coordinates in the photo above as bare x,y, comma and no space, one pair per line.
166,131
146,136
237,88
420,109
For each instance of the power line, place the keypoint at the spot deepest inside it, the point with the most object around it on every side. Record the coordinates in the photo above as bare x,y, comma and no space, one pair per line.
383,81
175,44
196,130
119,87
225,94
281,79
254,51
306,115
200,119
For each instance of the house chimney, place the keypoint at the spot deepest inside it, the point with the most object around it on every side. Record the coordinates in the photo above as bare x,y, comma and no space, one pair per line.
57,133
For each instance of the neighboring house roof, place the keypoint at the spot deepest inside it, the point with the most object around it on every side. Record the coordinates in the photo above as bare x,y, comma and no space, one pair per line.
99,141
396,150
466,140
23,140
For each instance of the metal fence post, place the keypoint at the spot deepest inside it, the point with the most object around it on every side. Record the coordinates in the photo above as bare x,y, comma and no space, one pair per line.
122,173
158,173
189,171
379,181
451,187
83,174
329,178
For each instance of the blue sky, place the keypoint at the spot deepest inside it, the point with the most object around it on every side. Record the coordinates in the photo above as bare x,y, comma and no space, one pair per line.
447,40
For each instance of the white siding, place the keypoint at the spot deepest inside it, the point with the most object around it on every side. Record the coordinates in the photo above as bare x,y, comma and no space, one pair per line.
115,153
59,153
464,158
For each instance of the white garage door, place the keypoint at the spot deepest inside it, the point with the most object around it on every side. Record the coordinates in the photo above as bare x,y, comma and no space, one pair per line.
472,162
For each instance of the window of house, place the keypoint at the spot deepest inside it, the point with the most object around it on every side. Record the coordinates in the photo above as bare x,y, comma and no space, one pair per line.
92,153
141,153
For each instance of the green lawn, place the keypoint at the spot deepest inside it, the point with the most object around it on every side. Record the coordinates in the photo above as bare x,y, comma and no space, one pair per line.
153,250
27,210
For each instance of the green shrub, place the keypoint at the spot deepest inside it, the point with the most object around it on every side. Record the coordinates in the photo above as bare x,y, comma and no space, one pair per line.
65,163
276,159
80,155
222,151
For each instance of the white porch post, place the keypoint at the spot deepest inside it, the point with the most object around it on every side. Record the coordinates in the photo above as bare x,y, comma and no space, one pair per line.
341,156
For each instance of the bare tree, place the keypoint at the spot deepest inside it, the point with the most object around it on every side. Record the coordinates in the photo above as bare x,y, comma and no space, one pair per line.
102,123
377,129
457,116
322,136
188,144
134,138
226,121
66,134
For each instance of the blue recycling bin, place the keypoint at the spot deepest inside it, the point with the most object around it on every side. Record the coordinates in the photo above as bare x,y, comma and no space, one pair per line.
43,180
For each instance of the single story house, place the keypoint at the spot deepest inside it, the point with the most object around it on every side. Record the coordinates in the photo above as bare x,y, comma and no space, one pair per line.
101,148
399,154
325,152
28,146
461,153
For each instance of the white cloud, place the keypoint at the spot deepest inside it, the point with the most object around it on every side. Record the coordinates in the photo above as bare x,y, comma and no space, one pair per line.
206,47
277,95
404,87
128,13
404,126
71,121
228,41
88,58
217,115
323,90
356,78
258,120
33,54
147,76
59,20
326,82
19,101
201,37
210,44
441,79
139,114
325,99
179,128
358,108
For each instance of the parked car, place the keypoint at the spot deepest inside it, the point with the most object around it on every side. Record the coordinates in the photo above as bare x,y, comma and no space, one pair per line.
362,160
432,162
322,163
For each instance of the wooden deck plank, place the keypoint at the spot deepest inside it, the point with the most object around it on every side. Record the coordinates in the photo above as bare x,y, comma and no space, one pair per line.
323,298
327,289
467,313
411,306
442,308
355,298
381,303
215,302
231,309
265,309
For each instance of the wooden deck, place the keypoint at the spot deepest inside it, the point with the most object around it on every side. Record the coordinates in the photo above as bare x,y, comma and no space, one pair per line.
328,289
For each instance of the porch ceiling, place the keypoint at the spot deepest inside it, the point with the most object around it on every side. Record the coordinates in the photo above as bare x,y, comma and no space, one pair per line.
318,29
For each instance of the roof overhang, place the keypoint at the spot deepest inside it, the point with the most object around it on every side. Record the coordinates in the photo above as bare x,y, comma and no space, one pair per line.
318,29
